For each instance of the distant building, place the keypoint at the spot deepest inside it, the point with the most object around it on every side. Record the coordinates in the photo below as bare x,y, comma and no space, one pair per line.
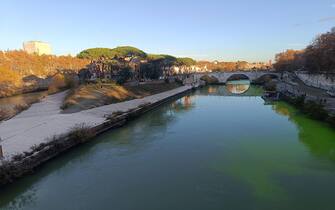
333,30
37,47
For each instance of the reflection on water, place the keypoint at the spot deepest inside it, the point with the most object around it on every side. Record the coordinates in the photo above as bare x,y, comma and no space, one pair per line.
317,136
238,86
216,90
203,151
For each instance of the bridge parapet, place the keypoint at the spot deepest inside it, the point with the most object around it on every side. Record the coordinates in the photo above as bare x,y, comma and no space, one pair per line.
252,75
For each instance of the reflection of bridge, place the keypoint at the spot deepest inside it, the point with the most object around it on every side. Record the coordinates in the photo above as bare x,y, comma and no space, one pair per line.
219,90
251,75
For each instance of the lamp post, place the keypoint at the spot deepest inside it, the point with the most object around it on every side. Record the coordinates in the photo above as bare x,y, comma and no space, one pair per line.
1,152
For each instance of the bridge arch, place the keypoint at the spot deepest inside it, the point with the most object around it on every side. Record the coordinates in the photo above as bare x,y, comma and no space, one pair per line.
251,75
266,77
237,76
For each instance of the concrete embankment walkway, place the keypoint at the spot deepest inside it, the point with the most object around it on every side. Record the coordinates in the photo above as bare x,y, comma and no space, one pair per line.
44,120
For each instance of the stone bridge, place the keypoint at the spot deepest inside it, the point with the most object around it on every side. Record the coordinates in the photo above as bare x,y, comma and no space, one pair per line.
251,75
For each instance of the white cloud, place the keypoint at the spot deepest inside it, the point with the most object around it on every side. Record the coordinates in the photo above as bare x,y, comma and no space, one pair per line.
326,19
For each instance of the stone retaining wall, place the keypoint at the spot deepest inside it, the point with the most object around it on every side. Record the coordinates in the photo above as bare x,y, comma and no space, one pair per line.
322,81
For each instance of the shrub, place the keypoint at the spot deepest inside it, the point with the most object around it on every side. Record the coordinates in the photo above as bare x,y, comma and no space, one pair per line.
315,110
331,120
80,133
6,171
57,83
71,81
4,114
299,101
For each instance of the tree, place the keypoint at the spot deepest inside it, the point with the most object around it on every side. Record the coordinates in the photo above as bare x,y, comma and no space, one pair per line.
96,53
124,75
317,57
128,51
118,52
185,62
290,60
241,65
150,71
320,55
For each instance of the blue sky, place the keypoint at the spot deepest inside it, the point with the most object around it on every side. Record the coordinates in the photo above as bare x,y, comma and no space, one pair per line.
252,30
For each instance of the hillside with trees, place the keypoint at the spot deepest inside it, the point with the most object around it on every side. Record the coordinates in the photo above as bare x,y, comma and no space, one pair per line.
319,56
124,63
19,69
22,72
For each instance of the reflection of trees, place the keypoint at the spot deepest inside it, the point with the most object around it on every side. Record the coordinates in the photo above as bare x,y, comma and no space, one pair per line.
212,89
26,199
258,162
317,136
184,104
149,127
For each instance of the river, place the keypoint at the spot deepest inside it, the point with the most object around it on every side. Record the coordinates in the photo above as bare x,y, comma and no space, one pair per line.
208,150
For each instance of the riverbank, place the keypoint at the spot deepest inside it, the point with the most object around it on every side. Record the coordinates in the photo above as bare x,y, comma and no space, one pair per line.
312,108
314,102
89,96
43,132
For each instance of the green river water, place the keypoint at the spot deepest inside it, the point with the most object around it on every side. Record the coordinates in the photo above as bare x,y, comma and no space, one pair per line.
208,150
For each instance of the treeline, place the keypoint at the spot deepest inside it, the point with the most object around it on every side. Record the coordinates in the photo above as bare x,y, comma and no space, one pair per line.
124,63
234,66
225,66
17,66
108,53
132,52
319,56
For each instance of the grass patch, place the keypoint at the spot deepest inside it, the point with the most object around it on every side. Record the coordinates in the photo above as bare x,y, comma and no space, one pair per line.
95,95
